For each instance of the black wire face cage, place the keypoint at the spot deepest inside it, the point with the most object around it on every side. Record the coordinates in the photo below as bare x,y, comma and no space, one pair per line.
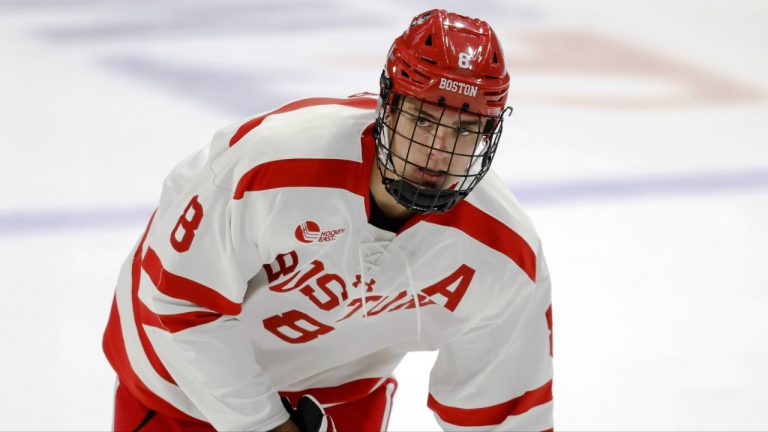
431,156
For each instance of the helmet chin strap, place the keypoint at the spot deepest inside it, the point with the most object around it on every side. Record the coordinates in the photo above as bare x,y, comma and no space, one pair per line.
421,200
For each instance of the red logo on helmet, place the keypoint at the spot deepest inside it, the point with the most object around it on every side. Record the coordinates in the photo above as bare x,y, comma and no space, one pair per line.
308,232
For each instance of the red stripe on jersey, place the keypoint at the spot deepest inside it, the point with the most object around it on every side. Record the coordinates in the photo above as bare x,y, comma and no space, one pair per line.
369,153
356,102
138,319
328,173
492,415
487,230
347,392
548,314
115,351
182,288
174,323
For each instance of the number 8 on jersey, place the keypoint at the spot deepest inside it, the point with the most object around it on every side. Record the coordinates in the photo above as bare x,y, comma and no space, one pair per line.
188,222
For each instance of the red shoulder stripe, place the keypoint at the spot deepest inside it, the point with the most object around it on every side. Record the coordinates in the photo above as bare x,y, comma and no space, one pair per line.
356,102
492,415
332,173
186,289
486,229
329,173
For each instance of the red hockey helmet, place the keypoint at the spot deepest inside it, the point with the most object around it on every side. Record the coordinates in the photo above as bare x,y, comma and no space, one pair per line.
453,57
446,75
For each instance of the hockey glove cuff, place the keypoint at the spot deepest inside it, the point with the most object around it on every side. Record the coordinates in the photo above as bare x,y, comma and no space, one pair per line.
308,415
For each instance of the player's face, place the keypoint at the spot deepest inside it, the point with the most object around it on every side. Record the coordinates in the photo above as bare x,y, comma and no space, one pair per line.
433,147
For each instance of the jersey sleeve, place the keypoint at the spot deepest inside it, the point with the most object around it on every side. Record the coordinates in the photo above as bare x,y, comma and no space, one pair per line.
498,374
198,257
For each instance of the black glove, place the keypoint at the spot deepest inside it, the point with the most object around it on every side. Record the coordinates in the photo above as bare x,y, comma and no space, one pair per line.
309,416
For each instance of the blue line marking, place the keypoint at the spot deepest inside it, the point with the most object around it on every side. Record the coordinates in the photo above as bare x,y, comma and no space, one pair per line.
659,185
26,223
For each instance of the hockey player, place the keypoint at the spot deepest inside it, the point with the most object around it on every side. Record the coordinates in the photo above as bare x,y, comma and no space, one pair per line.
305,251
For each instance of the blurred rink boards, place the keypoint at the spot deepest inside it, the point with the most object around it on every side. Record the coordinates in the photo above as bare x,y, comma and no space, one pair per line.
638,145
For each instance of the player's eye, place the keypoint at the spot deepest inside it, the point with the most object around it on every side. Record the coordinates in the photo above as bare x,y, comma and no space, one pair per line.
462,131
422,122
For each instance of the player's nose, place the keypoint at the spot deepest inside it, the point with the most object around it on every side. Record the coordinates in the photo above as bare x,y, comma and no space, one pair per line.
443,140
439,155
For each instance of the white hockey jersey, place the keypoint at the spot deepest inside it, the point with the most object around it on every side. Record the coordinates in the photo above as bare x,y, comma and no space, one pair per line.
259,273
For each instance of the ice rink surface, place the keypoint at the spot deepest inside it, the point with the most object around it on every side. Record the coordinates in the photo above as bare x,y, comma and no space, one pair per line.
639,146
